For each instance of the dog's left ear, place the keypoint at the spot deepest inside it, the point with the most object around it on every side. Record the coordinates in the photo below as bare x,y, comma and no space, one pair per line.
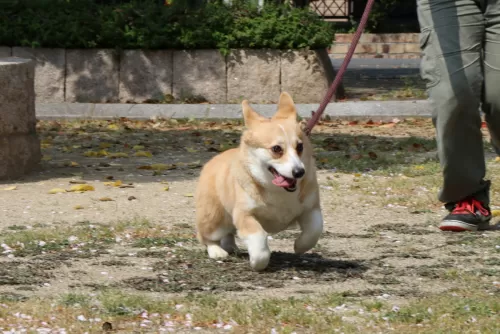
286,108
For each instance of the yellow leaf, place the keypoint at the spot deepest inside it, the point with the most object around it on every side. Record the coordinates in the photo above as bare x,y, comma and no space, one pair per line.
10,188
104,145
167,188
46,145
46,158
78,207
74,164
138,147
419,167
57,191
101,153
160,167
118,155
145,167
188,195
113,127
82,187
145,154
117,183
495,213
497,159
105,199
357,175
191,150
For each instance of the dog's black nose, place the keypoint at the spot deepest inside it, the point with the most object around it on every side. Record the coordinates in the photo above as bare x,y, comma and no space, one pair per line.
298,172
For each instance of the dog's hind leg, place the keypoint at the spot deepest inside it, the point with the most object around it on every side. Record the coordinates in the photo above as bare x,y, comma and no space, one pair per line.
228,243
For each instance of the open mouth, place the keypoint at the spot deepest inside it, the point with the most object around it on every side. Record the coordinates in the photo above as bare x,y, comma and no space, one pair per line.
284,182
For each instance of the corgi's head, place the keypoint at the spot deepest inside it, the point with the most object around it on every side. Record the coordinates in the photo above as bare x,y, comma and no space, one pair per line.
276,151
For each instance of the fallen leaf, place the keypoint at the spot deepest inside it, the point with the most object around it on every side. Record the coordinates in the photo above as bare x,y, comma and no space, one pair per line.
82,187
117,183
167,188
104,145
497,159
46,158
57,191
144,154
372,155
78,207
188,195
356,156
92,154
138,147
118,155
160,167
388,125
77,182
191,150
126,186
353,123
131,198
105,199
10,188
74,164
495,213
145,167
419,167
113,127
357,174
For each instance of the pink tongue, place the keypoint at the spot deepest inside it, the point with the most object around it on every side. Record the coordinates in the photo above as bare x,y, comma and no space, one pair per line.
281,181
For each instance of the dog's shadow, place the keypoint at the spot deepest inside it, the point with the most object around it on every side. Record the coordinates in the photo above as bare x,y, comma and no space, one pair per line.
310,262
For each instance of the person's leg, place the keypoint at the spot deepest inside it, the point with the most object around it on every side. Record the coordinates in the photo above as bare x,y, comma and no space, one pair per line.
452,33
491,103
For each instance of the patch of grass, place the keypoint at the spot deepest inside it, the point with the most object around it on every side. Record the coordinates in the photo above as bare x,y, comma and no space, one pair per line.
162,241
87,239
461,312
75,299
399,228
192,270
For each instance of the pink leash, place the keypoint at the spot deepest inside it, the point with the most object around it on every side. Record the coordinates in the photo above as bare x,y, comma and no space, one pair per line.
333,88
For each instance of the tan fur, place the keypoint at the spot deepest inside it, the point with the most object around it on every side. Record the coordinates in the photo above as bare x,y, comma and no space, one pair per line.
235,196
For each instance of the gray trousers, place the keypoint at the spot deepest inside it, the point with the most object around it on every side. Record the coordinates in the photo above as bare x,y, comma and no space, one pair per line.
460,40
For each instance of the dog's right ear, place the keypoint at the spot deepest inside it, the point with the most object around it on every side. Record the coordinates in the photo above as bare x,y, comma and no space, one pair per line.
249,115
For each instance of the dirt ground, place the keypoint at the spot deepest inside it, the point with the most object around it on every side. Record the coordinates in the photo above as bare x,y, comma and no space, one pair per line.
133,232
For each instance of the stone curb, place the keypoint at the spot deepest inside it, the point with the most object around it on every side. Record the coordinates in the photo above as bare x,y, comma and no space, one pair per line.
362,109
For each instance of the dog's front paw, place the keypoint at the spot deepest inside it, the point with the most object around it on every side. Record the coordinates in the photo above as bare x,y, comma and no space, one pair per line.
258,250
311,224
302,245
216,252
259,261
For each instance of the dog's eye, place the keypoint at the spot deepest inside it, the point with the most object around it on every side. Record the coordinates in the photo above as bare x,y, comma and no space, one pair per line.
300,148
276,149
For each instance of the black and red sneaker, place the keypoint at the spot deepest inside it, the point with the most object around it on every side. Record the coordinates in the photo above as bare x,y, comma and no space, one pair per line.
467,215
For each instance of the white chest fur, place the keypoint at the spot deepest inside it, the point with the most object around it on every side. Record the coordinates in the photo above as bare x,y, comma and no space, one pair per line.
278,210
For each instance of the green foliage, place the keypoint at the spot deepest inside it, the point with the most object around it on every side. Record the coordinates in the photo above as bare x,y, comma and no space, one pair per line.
151,25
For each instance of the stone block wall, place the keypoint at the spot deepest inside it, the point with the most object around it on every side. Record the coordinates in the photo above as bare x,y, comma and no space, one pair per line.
155,76
19,144
402,46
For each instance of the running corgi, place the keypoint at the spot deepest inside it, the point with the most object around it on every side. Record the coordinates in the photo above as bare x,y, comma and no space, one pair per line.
264,186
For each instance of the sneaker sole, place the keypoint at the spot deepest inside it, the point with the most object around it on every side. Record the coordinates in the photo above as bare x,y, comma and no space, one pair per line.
459,226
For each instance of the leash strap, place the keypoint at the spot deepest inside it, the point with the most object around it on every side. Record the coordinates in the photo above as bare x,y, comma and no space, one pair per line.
333,88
